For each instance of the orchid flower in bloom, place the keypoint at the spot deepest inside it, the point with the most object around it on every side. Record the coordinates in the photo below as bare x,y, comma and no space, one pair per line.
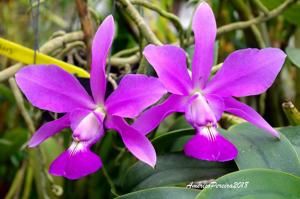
244,72
53,89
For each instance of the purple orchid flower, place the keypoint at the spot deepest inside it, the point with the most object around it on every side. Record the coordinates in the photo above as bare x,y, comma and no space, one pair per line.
245,72
53,89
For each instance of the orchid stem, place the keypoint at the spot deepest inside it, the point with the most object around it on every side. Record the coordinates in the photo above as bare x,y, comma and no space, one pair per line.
17,182
173,18
20,102
261,6
87,27
126,52
292,113
139,21
110,182
246,24
245,14
28,183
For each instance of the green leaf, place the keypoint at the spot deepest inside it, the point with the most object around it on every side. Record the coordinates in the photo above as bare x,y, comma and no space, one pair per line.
6,94
254,184
162,193
258,149
16,137
173,169
165,141
293,134
294,55
291,14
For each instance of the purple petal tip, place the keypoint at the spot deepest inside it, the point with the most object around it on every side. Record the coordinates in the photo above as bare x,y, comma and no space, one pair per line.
219,149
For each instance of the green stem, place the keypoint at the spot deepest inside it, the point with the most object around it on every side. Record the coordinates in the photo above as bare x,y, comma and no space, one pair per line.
245,14
110,182
126,52
261,6
292,113
28,183
173,18
17,182
139,21
246,24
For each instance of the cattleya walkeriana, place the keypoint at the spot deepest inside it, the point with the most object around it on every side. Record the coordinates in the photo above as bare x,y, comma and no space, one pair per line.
244,72
50,88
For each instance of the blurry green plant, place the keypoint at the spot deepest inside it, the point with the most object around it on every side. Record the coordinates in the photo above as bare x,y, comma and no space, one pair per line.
271,167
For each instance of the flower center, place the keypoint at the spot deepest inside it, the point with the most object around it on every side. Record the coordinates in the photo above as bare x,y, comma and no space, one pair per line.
199,112
209,132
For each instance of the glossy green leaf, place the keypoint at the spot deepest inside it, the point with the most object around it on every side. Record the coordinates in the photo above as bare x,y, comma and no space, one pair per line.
254,184
162,193
294,55
258,149
166,141
173,169
293,134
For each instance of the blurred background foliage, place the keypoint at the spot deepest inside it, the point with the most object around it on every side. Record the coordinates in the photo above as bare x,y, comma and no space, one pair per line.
23,171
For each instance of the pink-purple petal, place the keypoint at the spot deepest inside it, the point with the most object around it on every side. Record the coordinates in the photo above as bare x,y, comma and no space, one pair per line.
49,129
247,72
77,162
137,143
205,29
133,95
100,49
151,118
203,147
216,104
246,112
51,88
169,63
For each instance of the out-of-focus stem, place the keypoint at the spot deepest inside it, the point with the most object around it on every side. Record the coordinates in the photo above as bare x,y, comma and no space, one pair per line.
139,21
261,6
291,112
245,14
20,103
121,61
173,18
126,52
28,183
17,182
245,24
87,27
231,119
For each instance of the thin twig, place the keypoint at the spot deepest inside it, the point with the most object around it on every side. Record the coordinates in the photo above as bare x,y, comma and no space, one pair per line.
87,26
121,61
139,21
126,52
256,20
173,18
245,24
261,6
20,103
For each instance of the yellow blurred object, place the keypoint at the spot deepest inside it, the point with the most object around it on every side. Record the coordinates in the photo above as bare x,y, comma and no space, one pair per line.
25,55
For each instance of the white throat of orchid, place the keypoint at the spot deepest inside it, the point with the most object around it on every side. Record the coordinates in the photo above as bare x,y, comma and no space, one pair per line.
90,127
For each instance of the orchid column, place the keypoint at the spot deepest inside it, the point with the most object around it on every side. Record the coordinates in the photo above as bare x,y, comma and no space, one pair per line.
244,73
